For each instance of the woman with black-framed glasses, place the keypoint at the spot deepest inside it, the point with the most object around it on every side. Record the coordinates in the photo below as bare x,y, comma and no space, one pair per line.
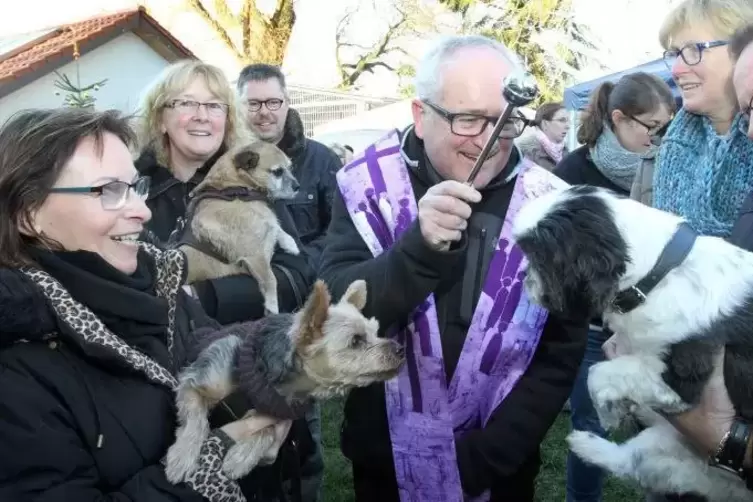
705,165
708,134
188,118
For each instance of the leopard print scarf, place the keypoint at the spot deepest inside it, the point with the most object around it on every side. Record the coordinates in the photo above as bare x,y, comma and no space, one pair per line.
170,267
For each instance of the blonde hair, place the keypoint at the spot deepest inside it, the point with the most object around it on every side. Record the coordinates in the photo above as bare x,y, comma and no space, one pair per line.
173,80
725,17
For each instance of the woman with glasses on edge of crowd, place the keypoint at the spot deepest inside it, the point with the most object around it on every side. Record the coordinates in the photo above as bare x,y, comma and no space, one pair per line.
545,143
704,167
618,130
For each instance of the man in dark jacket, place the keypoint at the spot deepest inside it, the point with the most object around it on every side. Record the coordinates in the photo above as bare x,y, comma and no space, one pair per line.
445,279
263,89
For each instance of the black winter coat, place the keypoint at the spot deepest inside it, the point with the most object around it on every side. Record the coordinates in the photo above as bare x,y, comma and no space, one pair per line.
236,298
577,168
315,167
504,455
85,416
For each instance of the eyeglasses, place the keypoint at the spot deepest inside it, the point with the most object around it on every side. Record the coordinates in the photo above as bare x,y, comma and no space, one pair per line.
653,130
748,109
471,124
744,125
691,53
112,195
655,133
272,104
214,109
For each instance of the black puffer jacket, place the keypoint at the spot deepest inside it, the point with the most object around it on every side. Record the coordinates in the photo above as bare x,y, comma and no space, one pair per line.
85,416
230,299
314,166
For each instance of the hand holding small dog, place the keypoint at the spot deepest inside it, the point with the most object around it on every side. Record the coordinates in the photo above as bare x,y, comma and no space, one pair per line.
248,426
443,213
242,430
707,423
281,431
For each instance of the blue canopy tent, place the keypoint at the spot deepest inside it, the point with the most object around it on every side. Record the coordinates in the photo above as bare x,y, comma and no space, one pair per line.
576,97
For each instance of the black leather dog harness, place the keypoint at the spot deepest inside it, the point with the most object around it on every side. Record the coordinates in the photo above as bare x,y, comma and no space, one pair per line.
673,254
183,235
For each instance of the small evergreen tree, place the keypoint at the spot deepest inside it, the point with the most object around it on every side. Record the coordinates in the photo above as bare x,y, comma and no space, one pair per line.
77,96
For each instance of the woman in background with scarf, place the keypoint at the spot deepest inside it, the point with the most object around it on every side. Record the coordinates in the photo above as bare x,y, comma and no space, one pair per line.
620,130
545,145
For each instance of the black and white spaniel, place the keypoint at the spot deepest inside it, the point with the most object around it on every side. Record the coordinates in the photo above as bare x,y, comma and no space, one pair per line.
674,300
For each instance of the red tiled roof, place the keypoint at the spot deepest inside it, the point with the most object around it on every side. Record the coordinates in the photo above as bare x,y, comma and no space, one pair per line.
65,40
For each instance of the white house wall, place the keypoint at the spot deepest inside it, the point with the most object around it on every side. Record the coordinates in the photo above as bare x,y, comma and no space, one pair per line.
127,62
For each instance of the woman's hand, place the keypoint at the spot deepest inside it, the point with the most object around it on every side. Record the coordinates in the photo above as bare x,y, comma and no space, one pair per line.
707,423
248,426
282,428
254,423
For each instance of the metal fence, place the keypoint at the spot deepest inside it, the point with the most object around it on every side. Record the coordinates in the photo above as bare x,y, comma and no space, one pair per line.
320,106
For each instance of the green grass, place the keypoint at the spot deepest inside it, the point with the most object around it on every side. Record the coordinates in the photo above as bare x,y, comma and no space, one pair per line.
338,485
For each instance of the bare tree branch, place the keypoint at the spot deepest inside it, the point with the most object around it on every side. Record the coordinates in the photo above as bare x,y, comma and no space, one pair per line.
262,38
373,57
224,15
369,67
218,28
245,22
356,46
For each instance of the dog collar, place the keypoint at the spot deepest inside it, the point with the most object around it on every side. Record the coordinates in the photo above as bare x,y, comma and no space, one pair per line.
673,254
183,235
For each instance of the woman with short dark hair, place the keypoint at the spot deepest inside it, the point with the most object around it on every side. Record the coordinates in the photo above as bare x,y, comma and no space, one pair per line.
94,325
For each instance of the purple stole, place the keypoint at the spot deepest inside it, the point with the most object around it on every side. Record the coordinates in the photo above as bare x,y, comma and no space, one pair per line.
425,414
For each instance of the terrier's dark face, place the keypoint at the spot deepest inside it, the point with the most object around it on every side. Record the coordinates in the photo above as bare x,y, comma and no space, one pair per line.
339,347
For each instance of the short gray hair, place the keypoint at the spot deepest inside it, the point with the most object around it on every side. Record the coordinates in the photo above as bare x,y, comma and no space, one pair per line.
429,71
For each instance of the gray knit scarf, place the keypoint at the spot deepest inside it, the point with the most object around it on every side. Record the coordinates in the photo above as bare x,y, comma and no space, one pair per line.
615,162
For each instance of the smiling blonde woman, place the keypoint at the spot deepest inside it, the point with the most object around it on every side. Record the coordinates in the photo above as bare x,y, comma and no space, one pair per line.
189,117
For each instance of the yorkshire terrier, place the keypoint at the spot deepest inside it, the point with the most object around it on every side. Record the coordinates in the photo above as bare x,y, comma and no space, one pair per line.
280,362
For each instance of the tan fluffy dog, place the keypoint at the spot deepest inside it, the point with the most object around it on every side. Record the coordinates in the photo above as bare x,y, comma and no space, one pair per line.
231,228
